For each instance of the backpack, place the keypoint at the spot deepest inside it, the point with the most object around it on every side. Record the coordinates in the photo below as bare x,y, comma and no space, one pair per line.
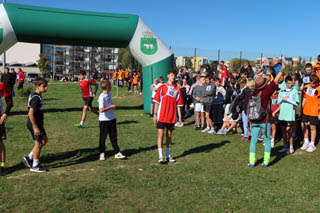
255,110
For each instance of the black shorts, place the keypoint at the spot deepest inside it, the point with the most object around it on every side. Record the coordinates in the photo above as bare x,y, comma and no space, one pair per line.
3,134
165,125
88,101
313,120
208,108
286,123
37,138
274,120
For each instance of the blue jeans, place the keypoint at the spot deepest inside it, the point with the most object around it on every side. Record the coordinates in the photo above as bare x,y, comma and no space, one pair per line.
245,124
255,129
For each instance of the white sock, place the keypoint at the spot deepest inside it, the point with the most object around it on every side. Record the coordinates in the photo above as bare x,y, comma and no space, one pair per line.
160,152
312,143
306,140
81,122
168,152
272,139
30,155
291,146
35,163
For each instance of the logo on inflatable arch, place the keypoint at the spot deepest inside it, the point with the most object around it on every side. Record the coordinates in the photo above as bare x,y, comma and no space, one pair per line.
148,44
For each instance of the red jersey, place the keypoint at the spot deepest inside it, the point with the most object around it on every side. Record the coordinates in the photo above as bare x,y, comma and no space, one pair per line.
168,98
4,92
86,89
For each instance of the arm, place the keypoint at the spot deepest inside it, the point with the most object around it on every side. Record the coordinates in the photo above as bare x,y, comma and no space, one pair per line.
179,114
107,109
276,111
9,103
156,106
33,121
276,80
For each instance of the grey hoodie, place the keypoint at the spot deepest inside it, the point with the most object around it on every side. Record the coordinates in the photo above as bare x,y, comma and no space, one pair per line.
198,91
210,92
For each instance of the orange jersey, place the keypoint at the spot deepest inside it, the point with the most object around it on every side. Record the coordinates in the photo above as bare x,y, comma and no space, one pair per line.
114,76
312,101
126,75
135,79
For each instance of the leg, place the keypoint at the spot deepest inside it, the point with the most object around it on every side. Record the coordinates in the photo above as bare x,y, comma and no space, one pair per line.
284,135
267,143
103,136
84,113
202,119
198,119
255,129
91,109
112,130
245,124
313,130
3,152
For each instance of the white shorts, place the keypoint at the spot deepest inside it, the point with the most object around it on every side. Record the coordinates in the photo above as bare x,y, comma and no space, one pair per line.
199,107
227,109
229,118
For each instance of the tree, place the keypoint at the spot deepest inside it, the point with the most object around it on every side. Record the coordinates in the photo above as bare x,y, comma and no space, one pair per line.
236,64
188,63
127,60
43,64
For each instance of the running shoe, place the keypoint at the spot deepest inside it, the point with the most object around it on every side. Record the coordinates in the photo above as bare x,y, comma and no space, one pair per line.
311,148
284,149
78,125
37,169
206,130
102,157
305,146
119,156
171,159
2,171
27,162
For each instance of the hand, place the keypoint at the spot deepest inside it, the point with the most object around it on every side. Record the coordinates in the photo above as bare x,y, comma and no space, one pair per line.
3,118
274,114
155,119
319,116
180,122
112,106
36,131
285,98
197,99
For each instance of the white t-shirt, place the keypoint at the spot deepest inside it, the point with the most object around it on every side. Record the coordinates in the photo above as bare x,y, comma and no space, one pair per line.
105,100
154,89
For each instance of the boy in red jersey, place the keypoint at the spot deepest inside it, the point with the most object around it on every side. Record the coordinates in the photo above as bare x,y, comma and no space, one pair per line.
167,100
87,96
4,92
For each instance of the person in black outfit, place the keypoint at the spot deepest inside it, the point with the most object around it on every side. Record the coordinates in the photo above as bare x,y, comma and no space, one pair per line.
247,69
8,79
14,79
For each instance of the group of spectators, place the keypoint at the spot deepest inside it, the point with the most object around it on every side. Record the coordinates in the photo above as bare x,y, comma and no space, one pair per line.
221,101
10,76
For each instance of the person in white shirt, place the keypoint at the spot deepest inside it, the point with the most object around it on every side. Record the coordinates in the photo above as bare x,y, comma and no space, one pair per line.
107,121
153,89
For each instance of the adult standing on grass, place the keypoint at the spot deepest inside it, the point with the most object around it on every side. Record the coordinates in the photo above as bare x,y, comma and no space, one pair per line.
14,79
167,101
247,69
36,126
21,77
4,92
8,79
264,91
87,97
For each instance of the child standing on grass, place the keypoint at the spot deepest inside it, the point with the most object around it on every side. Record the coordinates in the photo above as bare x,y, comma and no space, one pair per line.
167,99
4,92
289,100
107,122
36,126
311,113
87,96
275,116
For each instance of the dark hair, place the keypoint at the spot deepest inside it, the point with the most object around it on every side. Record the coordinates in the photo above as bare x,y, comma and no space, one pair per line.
233,81
39,81
308,65
271,69
314,79
82,72
288,78
161,78
173,71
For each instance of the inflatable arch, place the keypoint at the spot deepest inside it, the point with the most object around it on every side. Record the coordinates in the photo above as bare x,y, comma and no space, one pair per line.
22,23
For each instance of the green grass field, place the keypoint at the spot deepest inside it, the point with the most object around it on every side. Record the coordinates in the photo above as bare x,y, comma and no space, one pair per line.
210,175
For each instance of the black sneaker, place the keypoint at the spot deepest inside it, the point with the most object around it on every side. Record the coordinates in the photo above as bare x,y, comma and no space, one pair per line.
38,169
27,162
2,171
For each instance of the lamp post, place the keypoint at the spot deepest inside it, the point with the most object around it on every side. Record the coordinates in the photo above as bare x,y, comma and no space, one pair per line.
4,53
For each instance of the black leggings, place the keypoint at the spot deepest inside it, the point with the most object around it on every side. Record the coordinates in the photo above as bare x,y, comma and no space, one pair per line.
108,127
217,114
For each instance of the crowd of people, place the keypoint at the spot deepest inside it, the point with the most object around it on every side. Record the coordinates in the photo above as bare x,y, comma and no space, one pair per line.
268,105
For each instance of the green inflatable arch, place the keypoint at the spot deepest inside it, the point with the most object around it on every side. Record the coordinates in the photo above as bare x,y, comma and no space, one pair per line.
22,23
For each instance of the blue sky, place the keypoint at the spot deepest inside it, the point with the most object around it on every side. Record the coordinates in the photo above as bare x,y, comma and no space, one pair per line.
274,27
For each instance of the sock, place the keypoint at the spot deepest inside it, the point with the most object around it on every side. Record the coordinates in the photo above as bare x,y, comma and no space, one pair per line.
312,143
291,146
35,163
306,140
272,140
30,155
3,164
252,158
160,152
266,158
81,123
168,152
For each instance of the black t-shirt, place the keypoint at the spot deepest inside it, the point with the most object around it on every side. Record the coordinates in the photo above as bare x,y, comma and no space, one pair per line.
7,79
35,102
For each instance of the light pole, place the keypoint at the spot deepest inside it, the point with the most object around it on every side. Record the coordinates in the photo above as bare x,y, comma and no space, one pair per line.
4,53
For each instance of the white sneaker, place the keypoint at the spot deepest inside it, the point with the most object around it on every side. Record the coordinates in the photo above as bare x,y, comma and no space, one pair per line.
305,146
102,157
284,149
212,131
272,143
179,125
119,156
311,148
161,161
205,130
170,159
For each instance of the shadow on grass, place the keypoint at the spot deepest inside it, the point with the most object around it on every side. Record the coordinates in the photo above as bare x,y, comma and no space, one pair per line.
204,148
127,122
130,152
274,152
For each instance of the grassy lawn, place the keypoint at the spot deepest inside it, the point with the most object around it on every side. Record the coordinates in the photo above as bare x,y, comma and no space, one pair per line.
210,175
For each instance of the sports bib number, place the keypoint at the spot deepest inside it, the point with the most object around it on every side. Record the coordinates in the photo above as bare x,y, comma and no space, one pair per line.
208,88
310,91
172,92
306,80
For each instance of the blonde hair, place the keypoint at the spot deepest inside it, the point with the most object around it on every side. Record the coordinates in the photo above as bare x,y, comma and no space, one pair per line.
250,84
105,85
